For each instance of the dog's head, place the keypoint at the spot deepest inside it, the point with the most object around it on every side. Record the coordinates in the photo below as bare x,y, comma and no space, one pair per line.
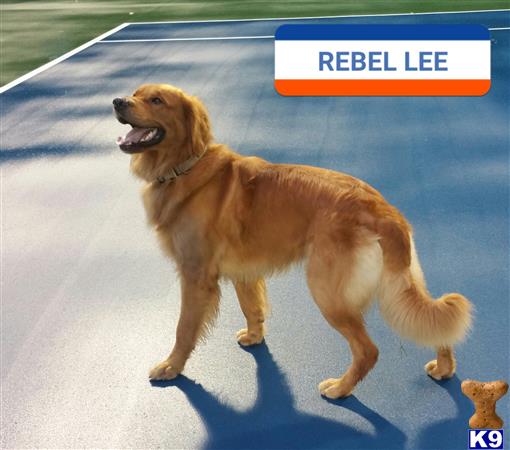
163,118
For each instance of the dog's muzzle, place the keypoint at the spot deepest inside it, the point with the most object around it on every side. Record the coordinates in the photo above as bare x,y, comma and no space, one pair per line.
120,103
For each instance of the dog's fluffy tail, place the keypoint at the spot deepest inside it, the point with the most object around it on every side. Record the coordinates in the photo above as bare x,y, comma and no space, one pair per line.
410,310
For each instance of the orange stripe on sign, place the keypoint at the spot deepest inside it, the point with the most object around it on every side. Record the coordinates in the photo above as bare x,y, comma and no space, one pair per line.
383,87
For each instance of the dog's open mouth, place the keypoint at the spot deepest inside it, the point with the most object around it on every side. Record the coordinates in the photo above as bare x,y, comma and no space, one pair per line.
139,139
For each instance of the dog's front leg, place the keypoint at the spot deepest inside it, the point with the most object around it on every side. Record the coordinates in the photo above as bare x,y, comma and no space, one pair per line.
199,305
253,300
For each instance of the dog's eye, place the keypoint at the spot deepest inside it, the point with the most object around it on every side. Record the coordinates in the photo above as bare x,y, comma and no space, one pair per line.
156,101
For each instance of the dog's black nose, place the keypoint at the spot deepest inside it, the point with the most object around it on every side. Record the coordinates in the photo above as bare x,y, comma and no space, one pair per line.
119,103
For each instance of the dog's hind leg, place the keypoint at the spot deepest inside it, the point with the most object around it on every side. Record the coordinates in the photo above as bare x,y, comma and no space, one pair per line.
442,367
199,306
364,356
342,285
253,300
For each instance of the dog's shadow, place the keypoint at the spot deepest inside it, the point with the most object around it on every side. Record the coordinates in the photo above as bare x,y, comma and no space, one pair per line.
273,422
449,433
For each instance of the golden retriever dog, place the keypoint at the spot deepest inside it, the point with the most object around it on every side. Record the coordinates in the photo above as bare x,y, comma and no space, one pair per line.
220,215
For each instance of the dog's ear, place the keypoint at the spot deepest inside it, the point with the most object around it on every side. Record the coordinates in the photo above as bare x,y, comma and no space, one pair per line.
197,123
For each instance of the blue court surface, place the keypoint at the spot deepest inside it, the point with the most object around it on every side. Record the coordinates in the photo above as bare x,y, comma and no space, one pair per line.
90,304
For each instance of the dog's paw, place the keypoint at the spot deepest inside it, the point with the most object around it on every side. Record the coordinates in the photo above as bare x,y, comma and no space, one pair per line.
163,371
335,388
246,338
439,372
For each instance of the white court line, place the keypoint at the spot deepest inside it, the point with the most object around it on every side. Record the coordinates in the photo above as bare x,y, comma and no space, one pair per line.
120,27
222,38
59,59
325,17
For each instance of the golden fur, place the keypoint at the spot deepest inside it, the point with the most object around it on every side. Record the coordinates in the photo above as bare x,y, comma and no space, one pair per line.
243,218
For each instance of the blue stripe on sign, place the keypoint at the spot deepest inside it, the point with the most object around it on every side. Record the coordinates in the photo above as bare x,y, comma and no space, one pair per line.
381,32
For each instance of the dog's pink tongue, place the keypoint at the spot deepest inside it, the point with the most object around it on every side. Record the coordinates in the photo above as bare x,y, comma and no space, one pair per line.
134,136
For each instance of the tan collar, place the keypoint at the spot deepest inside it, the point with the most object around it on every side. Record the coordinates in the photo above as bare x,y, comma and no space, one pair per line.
180,169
